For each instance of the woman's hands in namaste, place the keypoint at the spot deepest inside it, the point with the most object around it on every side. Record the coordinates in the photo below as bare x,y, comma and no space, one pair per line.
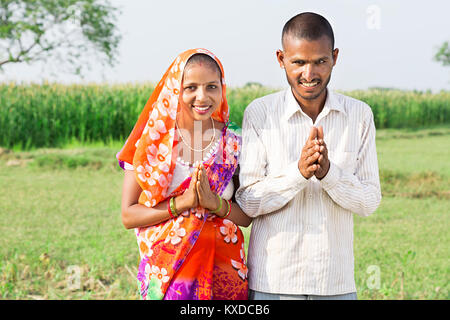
206,198
198,193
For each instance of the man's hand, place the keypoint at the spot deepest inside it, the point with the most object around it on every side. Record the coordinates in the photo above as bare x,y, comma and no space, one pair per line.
310,154
324,163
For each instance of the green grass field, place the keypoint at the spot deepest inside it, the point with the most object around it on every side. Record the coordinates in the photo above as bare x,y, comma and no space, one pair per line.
62,236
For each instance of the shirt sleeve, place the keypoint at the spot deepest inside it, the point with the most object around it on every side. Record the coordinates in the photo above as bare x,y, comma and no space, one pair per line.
259,193
359,190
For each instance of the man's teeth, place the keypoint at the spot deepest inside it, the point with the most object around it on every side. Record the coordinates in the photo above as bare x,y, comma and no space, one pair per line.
309,84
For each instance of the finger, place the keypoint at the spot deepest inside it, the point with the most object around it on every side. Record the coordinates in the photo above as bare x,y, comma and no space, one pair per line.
312,133
202,170
205,178
201,176
324,150
199,191
312,159
193,181
321,159
197,169
310,145
309,152
320,133
312,168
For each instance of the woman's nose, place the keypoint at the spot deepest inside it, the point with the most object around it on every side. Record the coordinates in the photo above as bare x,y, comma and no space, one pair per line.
201,94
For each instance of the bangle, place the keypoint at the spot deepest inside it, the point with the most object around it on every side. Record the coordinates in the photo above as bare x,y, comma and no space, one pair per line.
220,206
169,208
173,209
228,209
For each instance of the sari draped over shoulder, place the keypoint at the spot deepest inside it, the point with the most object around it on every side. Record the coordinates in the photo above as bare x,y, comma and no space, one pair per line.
196,255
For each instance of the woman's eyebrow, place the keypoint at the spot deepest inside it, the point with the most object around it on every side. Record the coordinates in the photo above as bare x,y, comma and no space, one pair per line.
195,83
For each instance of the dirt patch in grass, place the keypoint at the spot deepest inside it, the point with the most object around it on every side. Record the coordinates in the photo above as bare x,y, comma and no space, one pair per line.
417,185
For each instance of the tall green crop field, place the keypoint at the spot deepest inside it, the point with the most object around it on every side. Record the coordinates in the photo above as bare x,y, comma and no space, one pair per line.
53,115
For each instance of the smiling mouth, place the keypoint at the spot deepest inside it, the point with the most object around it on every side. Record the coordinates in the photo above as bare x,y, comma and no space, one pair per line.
310,85
201,109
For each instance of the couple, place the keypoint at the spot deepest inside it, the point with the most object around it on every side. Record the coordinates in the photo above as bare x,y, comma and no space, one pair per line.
306,163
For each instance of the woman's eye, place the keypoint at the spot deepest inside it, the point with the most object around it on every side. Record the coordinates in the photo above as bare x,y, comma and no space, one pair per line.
213,86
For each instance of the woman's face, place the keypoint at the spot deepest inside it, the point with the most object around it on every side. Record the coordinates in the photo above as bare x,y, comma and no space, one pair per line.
201,91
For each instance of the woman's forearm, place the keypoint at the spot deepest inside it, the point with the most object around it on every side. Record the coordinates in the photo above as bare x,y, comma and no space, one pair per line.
236,214
138,215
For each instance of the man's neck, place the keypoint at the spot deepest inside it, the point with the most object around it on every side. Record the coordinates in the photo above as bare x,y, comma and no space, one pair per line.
312,107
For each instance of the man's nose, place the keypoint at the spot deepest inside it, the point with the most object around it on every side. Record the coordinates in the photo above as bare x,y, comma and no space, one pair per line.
308,72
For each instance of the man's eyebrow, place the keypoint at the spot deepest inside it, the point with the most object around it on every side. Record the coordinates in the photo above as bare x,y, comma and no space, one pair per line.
308,61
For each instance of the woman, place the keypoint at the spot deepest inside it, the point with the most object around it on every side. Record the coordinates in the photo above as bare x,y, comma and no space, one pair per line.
180,160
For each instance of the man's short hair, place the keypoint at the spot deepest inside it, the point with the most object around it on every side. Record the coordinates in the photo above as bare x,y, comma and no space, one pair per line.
308,25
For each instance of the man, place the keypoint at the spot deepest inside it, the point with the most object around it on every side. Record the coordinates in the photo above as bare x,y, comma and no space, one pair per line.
308,164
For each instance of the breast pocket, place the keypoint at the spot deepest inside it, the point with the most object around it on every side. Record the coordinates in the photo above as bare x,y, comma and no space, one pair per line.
345,160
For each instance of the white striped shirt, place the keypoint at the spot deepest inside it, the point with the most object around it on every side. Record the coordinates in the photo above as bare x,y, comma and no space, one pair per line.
302,236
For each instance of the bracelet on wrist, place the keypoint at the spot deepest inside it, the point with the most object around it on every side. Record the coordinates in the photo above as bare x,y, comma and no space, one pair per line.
169,209
228,209
220,206
172,208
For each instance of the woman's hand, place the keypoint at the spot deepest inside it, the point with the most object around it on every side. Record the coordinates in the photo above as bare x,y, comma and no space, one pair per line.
189,199
206,198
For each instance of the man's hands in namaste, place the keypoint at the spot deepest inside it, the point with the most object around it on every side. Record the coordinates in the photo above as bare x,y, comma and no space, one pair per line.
314,157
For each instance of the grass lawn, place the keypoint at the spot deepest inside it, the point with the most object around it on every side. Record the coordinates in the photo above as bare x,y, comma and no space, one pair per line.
62,236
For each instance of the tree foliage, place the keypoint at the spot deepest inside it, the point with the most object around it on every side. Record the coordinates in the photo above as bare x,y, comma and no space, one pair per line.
71,32
443,54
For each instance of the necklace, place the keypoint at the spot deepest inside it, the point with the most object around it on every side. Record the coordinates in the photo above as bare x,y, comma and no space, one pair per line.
197,150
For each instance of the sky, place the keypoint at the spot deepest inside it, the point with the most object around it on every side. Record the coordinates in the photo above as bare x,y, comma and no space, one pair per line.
382,43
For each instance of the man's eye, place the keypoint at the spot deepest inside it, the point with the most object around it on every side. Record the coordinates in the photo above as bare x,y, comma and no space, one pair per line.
320,61
299,62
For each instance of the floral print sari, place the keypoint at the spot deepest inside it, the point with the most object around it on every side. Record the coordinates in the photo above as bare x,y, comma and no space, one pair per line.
197,255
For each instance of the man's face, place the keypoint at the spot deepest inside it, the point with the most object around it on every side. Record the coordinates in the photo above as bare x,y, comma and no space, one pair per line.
308,65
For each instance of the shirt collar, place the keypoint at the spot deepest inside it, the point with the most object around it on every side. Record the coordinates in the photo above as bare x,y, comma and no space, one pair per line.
292,106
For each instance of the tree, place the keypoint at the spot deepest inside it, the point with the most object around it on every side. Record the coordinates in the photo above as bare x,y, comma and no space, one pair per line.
443,54
74,31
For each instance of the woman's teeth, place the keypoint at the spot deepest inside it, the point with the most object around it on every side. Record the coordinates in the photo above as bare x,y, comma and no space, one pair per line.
201,109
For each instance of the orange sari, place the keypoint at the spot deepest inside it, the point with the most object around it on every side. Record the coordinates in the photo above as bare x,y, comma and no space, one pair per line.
195,255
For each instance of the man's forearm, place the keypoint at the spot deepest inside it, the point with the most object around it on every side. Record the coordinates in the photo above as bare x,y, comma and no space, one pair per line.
269,193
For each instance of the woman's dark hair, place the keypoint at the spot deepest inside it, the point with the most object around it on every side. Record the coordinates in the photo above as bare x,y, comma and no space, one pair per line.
202,58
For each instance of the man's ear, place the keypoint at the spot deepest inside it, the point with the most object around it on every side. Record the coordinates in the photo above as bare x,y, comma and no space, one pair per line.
335,56
280,58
